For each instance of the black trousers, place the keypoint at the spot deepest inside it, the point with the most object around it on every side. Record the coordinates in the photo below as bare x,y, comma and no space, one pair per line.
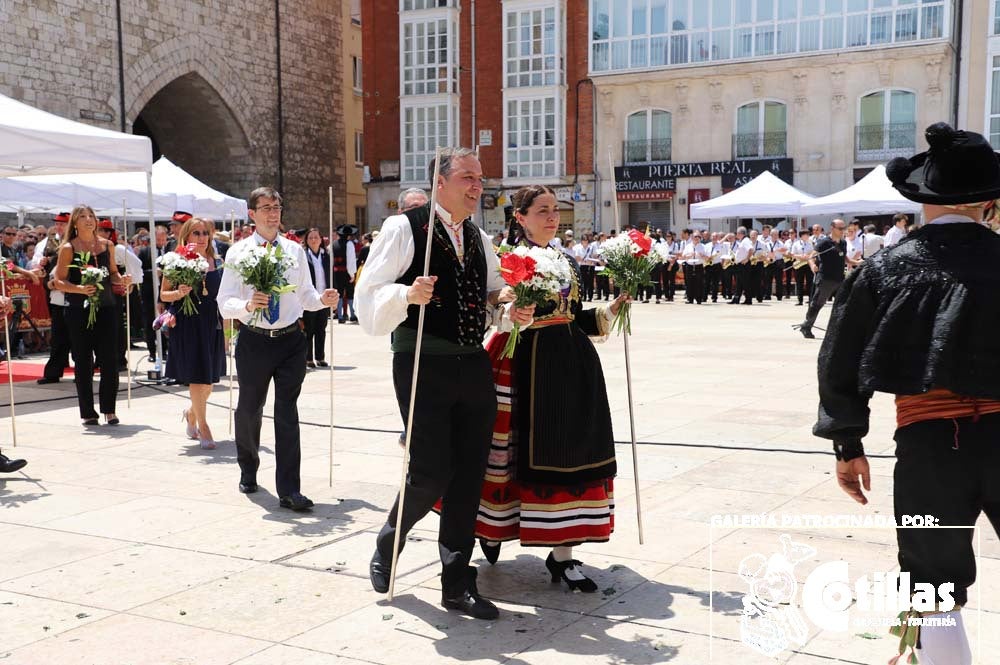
803,282
789,279
315,329
742,290
587,273
259,360
713,275
823,289
654,287
148,315
773,284
728,282
452,430
59,344
694,288
123,333
670,277
755,281
102,341
949,469
686,271
603,285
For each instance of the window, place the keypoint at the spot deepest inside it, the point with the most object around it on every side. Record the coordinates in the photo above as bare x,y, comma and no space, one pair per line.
425,127
356,73
359,148
996,17
361,217
408,5
993,123
429,57
761,130
886,125
356,12
532,48
531,137
638,34
648,138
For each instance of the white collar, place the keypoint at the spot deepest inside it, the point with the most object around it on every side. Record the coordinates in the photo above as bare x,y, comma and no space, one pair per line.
953,219
445,216
261,240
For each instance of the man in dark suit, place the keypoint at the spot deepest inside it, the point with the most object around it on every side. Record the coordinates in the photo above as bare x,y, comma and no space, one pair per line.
150,308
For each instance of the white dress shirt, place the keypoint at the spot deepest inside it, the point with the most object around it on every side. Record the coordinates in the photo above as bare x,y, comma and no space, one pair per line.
133,266
855,247
873,243
234,294
317,263
743,249
56,297
894,235
352,258
381,303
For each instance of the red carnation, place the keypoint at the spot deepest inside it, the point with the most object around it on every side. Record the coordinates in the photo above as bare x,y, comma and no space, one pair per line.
516,269
188,251
645,243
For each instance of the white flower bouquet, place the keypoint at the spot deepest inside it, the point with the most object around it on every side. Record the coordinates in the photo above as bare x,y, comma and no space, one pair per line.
90,275
263,268
535,274
185,266
628,262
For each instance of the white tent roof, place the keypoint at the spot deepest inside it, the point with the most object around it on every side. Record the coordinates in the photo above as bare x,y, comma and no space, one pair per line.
767,195
33,142
173,189
872,195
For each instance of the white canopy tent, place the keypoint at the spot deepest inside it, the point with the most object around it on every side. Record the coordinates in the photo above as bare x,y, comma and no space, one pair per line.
173,189
872,195
765,196
33,142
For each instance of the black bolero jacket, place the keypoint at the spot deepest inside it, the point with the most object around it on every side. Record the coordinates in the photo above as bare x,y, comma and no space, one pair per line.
324,256
922,314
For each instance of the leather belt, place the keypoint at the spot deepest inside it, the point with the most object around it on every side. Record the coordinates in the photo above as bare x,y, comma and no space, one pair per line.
271,332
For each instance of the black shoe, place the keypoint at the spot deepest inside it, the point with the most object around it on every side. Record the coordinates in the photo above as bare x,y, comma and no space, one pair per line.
734,302
44,380
470,602
354,319
322,363
558,572
806,331
341,320
248,487
310,364
8,465
491,552
378,573
296,502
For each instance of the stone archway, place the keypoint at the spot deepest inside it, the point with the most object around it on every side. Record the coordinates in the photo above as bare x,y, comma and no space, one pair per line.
190,123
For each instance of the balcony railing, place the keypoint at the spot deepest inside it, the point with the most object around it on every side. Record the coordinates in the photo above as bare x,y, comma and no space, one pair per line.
753,146
644,152
880,143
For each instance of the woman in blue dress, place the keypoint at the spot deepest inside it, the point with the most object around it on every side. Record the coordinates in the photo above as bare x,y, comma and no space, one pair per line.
197,342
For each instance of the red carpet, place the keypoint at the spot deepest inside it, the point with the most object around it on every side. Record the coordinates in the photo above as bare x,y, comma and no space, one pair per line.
25,371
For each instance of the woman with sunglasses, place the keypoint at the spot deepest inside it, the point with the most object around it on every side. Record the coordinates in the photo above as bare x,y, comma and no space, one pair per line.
101,338
197,342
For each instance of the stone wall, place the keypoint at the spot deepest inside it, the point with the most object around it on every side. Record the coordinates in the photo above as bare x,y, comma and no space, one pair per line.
203,76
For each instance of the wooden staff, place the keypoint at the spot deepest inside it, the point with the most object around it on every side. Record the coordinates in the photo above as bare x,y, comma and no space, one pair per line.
329,255
628,366
416,373
10,356
229,345
128,310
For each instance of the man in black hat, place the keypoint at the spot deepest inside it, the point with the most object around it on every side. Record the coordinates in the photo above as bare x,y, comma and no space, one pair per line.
920,320
345,266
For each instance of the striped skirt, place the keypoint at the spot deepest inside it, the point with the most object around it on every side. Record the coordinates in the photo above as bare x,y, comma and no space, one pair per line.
536,514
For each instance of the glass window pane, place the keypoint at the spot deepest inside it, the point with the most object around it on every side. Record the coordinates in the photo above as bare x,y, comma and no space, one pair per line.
809,35
743,42
833,32
774,117
639,8
748,119
857,5
637,126
679,15
872,110
658,17
787,10
700,47
744,11
765,10
660,125
722,13
995,93
932,21
600,17
857,30
810,8
620,18
902,107
720,44
699,15
659,51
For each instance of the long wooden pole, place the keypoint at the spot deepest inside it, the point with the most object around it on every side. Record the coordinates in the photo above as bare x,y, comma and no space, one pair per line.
128,310
329,255
10,358
416,374
229,345
628,365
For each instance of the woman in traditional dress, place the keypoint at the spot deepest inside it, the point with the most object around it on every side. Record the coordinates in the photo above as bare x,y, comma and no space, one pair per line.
549,482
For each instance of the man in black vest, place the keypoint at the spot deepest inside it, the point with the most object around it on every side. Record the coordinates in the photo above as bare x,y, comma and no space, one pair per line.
345,266
456,403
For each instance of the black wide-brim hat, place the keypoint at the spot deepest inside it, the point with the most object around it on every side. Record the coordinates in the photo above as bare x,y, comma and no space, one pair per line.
347,230
958,167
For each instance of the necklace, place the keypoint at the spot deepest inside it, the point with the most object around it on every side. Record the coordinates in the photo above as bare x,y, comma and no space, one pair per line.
456,232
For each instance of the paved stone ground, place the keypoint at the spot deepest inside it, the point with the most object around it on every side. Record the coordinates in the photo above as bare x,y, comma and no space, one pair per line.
132,546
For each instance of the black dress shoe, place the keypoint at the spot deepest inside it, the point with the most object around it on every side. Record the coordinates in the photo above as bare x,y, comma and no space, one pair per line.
8,465
322,363
558,571
491,552
44,380
296,502
248,487
470,602
378,573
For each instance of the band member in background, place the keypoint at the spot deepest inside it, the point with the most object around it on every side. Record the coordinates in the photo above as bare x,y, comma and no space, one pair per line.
672,267
801,250
46,257
742,249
